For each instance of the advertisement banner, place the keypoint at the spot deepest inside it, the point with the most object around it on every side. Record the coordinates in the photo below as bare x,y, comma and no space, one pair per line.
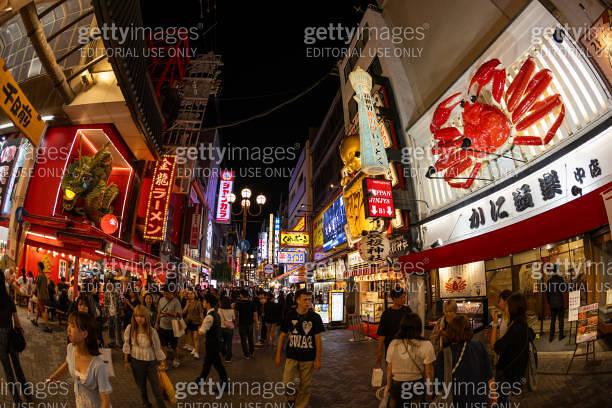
379,198
18,108
286,256
355,211
301,224
334,219
317,231
159,198
224,207
9,171
276,238
336,302
463,280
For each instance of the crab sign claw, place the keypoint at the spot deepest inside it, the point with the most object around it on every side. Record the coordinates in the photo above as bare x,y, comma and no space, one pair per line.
470,179
443,112
487,73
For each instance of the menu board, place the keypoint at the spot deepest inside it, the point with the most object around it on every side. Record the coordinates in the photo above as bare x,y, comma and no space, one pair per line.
574,305
337,306
322,309
588,317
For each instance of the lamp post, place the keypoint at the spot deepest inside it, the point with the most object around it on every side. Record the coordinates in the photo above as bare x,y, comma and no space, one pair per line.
245,211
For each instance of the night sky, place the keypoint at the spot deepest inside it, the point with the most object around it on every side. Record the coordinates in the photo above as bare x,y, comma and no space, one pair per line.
263,48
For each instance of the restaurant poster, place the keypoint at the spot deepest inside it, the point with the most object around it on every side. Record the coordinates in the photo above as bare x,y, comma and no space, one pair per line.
467,280
588,317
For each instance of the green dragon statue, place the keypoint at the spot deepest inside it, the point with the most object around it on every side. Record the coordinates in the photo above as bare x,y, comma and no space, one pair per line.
87,178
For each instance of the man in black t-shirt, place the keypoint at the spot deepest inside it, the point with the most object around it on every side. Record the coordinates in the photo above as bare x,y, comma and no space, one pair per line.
303,327
247,315
390,320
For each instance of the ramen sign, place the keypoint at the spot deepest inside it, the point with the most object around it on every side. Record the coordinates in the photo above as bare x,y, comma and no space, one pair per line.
159,198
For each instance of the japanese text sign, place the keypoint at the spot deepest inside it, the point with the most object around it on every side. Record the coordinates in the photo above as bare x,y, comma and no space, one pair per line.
18,108
159,198
291,257
225,189
294,238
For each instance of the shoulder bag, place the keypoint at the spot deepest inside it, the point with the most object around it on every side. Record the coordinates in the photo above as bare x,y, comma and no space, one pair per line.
17,342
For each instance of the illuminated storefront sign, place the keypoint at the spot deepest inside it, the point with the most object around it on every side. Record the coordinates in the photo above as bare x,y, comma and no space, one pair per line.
225,189
294,238
18,108
159,198
287,256
276,238
373,156
354,259
271,239
317,231
209,237
264,246
379,198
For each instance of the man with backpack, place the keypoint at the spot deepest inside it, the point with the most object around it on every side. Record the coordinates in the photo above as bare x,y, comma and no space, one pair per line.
211,328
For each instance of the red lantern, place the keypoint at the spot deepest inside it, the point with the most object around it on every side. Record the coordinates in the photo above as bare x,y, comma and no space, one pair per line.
109,224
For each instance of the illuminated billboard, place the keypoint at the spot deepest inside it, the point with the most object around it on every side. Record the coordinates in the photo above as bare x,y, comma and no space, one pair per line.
224,207
334,219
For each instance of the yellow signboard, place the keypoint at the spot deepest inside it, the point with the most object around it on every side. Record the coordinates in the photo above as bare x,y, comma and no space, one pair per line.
294,238
301,224
317,230
355,211
18,108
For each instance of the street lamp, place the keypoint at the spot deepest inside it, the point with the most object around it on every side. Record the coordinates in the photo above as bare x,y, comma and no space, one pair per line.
245,211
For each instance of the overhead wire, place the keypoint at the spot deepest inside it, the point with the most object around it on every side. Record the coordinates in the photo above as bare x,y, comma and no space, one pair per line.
275,108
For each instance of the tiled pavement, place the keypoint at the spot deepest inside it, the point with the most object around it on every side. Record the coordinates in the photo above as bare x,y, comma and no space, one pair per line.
344,380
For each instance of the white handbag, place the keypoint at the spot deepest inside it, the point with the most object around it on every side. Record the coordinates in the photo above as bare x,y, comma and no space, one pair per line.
177,328
107,357
377,377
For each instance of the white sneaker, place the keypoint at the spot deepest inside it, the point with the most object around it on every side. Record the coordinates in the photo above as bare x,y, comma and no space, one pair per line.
175,364
195,355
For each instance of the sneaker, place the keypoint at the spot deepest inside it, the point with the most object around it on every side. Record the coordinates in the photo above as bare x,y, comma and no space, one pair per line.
247,357
196,355
188,347
175,364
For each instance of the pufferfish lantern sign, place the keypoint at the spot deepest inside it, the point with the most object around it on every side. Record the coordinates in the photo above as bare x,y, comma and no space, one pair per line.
491,129
85,186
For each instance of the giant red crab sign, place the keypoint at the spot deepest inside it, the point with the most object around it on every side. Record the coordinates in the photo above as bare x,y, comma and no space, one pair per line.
457,284
487,127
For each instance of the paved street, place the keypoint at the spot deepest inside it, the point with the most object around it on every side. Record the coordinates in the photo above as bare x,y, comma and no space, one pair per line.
344,380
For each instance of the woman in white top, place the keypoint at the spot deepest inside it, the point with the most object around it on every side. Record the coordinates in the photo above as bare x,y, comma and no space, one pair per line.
142,351
409,361
228,321
91,386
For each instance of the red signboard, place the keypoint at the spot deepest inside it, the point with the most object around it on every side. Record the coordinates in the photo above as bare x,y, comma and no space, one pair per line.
225,189
195,230
159,198
379,198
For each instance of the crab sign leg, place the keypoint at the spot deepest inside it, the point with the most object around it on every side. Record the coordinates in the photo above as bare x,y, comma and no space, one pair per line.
446,147
519,84
539,110
451,159
487,73
538,84
446,134
457,168
443,112
470,179
535,140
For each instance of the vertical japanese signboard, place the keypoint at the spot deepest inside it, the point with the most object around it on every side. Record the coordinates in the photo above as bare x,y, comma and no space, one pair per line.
276,238
159,198
373,156
271,239
195,230
225,189
18,108
379,198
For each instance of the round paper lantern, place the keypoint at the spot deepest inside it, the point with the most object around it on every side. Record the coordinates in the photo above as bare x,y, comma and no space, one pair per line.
109,224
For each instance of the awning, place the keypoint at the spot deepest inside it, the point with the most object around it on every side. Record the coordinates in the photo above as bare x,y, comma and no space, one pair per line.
576,217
